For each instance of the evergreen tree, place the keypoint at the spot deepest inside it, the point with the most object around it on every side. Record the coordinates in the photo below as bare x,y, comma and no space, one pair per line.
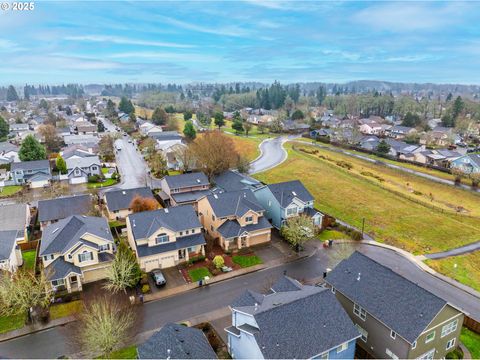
4,129
457,107
237,125
189,130
187,115
100,126
132,118
31,149
219,119
12,94
383,147
159,116
126,106
61,165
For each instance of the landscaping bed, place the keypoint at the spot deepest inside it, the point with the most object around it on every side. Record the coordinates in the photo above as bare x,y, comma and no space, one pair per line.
12,322
472,341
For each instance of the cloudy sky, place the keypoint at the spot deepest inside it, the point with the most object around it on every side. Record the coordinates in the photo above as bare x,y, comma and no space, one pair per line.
219,41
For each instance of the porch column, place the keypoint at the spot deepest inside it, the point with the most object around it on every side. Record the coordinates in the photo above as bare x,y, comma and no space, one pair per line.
68,285
203,250
79,282
186,255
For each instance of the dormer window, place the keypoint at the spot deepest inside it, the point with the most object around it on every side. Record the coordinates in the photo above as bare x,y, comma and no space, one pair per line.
85,256
104,247
161,239
248,219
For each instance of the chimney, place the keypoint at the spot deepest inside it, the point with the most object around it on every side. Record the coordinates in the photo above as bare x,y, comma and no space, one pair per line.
358,277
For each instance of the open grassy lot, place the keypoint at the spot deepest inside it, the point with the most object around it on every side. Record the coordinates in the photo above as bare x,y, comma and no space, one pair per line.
246,146
199,273
472,341
444,197
13,322
467,270
65,309
9,190
390,218
246,260
29,257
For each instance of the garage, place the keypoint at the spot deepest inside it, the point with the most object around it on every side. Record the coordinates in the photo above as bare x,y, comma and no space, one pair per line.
78,180
94,274
39,181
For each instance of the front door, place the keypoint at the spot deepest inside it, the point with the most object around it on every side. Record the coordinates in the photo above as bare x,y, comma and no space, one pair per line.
244,241
73,279
181,253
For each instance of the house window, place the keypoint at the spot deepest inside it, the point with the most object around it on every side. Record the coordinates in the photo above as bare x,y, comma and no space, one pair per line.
181,233
359,311
48,257
249,219
58,282
393,334
362,332
391,354
193,231
104,247
292,211
324,356
428,356
187,232
78,172
85,256
342,347
449,328
94,168
70,256
333,290
450,344
161,239
430,337
414,345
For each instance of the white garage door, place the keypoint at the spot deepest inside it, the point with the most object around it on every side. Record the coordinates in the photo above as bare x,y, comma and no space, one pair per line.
78,180
38,184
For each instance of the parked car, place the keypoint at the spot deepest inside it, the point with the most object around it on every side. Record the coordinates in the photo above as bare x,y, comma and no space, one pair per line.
158,277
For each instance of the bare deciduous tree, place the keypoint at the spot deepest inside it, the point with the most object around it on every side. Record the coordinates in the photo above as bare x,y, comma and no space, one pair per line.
124,272
298,230
140,204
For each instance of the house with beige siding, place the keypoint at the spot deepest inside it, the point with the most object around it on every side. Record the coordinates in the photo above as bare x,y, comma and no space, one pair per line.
184,189
166,237
117,202
16,217
397,318
76,250
234,220
10,253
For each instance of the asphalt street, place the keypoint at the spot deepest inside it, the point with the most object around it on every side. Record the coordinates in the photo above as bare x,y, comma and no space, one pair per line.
272,154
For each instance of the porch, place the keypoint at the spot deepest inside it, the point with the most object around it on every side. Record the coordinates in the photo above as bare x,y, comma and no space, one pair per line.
70,283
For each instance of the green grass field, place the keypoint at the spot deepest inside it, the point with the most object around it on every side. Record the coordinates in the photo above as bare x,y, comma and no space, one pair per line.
13,322
390,218
9,190
246,260
29,258
247,147
106,183
65,309
199,273
472,341
331,235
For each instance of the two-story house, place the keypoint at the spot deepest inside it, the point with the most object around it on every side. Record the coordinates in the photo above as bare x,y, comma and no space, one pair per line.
35,173
232,180
16,217
10,253
166,237
469,164
8,153
234,219
285,200
397,318
184,189
118,202
293,321
52,210
79,169
76,250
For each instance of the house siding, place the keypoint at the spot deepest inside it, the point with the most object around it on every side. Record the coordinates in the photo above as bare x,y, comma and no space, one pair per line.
273,210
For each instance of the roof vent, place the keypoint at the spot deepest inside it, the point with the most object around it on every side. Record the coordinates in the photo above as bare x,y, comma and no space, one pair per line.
54,231
198,181
358,277
294,193
168,354
215,196
124,193
166,210
256,306
133,223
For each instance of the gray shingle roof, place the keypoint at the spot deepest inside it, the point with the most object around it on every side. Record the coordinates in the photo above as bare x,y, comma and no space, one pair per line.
7,242
286,283
400,304
177,218
186,180
13,217
190,196
60,268
121,199
66,233
299,324
5,146
181,243
31,165
176,342
60,208
83,162
233,181
235,203
248,298
232,228
285,192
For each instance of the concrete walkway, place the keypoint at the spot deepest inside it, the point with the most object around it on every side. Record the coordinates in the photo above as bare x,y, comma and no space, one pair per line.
33,328
466,249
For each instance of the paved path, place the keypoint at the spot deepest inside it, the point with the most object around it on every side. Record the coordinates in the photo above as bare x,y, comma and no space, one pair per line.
454,252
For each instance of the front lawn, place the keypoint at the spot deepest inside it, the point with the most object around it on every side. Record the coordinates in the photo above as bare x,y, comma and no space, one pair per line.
246,260
331,235
29,257
9,190
467,269
107,182
472,341
199,273
129,352
65,309
12,322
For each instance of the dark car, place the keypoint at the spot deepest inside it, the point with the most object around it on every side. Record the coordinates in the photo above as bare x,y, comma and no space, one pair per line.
158,277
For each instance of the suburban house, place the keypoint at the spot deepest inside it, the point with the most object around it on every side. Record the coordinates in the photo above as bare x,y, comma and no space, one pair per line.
166,237
469,164
166,139
8,153
34,173
19,130
285,200
396,317
295,126
176,341
52,210
16,217
172,153
146,128
117,202
403,150
399,131
370,127
369,142
80,139
85,128
234,220
232,180
184,188
76,250
78,151
292,321
10,253
80,168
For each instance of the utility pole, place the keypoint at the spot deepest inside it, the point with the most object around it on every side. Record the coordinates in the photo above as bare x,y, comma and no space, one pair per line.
363,226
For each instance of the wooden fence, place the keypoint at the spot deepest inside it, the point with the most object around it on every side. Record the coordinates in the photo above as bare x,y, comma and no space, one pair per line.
472,324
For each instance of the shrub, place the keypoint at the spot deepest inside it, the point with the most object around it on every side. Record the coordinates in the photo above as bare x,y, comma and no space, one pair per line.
218,261
145,288
93,179
344,164
455,354
144,279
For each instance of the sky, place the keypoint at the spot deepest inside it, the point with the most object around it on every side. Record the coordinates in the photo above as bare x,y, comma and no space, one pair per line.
255,40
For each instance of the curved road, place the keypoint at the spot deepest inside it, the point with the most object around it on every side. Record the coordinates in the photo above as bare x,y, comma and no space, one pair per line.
272,154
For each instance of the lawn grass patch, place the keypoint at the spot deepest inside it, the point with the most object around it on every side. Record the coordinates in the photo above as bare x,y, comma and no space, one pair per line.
106,183
472,341
467,270
389,217
9,190
246,146
246,260
12,322
198,273
129,352
29,257
65,309
331,235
